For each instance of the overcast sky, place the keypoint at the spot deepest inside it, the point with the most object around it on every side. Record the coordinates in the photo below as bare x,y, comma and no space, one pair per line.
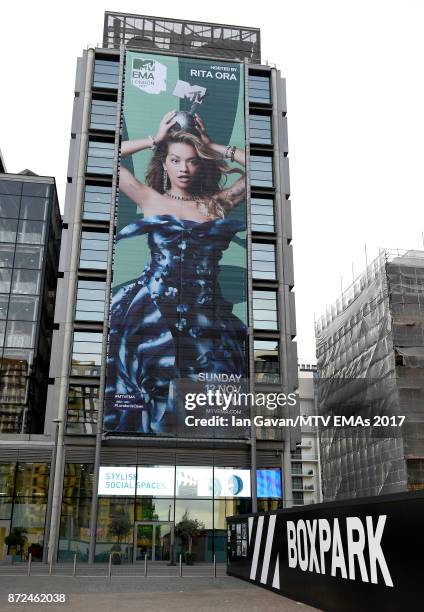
355,90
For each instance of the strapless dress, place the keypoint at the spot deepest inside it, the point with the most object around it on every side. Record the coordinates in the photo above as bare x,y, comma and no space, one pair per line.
171,323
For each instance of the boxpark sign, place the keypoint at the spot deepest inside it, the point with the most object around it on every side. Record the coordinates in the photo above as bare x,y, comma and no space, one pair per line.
365,554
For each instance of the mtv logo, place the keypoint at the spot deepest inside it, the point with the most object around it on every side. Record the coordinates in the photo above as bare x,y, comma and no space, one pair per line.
148,75
141,64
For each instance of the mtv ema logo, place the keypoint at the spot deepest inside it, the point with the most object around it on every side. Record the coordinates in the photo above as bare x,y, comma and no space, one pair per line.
148,75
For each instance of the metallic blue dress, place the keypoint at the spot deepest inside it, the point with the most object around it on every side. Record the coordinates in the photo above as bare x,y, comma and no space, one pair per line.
171,323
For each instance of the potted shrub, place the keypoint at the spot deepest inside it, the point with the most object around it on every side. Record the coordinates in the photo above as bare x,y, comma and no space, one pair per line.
187,529
119,528
16,539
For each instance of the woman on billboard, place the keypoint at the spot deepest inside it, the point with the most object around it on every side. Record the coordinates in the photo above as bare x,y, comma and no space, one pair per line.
173,322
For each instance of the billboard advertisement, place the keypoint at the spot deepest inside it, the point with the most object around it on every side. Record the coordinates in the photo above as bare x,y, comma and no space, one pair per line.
178,314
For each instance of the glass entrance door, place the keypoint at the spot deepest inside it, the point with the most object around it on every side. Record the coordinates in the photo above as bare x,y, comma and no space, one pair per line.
4,532
163,534
153,539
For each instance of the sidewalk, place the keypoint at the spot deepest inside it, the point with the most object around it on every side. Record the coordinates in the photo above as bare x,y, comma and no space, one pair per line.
161,591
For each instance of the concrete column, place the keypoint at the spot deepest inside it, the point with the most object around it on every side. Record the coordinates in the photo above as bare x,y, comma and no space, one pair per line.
69,320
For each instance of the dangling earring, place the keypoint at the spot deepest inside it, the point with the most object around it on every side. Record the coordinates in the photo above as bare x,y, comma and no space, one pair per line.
165,180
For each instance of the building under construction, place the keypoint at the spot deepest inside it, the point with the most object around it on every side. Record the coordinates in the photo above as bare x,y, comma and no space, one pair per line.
370,353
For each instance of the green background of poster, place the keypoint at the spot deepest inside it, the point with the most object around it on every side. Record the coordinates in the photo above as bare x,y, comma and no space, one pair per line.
223,113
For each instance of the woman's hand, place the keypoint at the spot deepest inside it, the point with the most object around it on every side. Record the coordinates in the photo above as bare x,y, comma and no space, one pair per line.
202,130
164,125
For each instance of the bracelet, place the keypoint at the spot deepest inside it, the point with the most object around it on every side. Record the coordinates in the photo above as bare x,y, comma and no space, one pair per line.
227,152
154,143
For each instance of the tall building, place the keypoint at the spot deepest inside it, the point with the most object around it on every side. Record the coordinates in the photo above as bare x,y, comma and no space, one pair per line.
176,276
29,246
370,352
306,464
30,227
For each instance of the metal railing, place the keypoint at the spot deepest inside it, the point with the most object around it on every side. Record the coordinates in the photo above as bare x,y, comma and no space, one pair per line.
107,571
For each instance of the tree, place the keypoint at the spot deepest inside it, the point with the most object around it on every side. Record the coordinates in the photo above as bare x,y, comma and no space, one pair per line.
187,529
119,527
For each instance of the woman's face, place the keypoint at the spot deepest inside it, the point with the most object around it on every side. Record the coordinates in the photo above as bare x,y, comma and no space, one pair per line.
182,164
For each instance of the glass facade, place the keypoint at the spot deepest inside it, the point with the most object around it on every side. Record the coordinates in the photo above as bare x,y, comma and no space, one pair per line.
94,250
265,315
100,157
106,74
263,261
23,504
90,300
97,202
29,220
267,361
83,405
119,517
261,171
103,114
86,353
259,89
260,129
262,214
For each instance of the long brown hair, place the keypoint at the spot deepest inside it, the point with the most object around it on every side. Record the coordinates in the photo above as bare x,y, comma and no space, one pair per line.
209,180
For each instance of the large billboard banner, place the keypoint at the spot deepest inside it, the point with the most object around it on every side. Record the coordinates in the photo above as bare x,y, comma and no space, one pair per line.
178,314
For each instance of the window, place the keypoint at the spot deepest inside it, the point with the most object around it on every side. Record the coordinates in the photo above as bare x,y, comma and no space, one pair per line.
5,279
83,404
8,229
4,303
86,353
106,74
259,89
103,115
28,256
263,261
97,202
17,362
267,361
265,314
261,171
31,232
260,129
33,207
20,334
297,483
41,190
23,308
94,247
10,187
296,468
90,300
298,498
9,206
26,282
262,211
6,255
100,157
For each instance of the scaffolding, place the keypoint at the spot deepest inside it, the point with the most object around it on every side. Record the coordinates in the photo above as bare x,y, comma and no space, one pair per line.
370,354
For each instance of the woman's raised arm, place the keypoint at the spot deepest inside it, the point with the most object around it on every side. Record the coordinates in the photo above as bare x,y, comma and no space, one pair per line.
128,147
132,187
